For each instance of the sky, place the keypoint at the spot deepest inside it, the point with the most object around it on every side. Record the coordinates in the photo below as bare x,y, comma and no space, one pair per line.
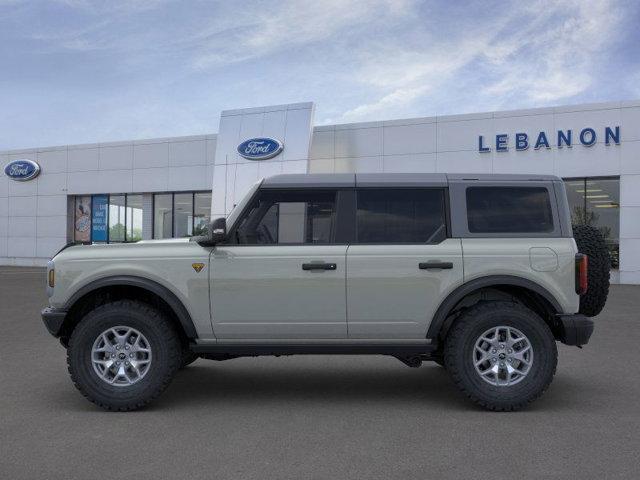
80,71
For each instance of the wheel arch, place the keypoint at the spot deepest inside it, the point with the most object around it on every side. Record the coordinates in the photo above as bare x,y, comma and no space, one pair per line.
530,293
127,286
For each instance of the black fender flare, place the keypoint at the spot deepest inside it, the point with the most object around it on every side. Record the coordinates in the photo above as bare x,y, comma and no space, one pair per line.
465,289
151,286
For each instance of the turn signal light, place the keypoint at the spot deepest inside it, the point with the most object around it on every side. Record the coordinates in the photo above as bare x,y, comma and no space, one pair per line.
51,278
582,267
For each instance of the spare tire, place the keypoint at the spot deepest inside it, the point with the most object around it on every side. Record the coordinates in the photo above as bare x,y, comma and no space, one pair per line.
591,243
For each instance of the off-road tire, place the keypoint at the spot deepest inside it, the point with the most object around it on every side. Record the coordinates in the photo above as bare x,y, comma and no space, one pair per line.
460,343
591,243
162,337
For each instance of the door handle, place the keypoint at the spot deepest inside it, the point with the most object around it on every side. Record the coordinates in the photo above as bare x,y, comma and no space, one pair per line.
319,266
435,265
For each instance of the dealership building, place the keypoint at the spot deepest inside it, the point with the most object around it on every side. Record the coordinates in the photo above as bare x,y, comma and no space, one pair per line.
171,187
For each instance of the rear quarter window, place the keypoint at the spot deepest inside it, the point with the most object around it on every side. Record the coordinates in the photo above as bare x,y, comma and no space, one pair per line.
509,210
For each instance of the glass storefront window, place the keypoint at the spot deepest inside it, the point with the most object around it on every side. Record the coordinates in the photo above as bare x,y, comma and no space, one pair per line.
134,218
117,218
201,213
82,219
596,202
183,215
162,215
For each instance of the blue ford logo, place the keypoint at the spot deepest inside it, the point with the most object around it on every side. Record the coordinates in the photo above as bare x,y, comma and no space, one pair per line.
260,148
22,170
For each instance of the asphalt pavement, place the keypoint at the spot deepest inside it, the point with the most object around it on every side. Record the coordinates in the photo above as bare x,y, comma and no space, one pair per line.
316,417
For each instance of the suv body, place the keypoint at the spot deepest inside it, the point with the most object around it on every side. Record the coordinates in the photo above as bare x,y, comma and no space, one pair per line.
343,263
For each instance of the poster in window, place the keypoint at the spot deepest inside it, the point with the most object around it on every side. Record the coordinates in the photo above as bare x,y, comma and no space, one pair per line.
99,208
82,223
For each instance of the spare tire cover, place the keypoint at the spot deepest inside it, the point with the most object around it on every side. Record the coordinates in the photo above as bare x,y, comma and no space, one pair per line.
591,243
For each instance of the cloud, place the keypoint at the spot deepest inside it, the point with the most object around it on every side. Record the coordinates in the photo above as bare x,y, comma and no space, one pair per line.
543,53
288,24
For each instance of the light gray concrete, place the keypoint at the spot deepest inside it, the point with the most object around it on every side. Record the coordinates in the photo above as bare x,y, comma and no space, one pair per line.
316,417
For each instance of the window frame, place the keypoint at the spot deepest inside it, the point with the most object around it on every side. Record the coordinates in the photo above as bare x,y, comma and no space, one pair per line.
546,211
459,219
173,210
339,231
445,206
584,181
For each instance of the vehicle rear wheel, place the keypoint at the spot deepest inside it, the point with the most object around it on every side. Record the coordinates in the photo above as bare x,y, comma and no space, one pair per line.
122,355
501,355
590,242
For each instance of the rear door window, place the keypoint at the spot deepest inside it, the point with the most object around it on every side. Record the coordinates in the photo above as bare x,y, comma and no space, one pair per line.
509,210
401,215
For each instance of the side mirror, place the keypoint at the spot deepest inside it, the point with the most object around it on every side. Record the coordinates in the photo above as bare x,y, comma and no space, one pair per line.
216,233
218,230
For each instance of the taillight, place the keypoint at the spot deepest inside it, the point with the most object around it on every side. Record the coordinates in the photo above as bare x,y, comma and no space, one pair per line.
582,266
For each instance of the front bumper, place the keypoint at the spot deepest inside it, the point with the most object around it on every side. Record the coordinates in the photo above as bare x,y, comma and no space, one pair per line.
575,329
54,320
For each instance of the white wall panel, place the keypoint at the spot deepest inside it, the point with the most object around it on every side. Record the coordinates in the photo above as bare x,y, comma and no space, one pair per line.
464,162
151,155
322,165
630,156
52,226
46,247
188,178
297,136
540,161
4,226
416,163
188,153
21,246
52,161
150,180
581,161
22,227
4,206
52,183
630,191
629,222
103,181
359,164
358,142
21,207
211,150
83,159
630,124
322,145
118,157
420,138
51,205
22,189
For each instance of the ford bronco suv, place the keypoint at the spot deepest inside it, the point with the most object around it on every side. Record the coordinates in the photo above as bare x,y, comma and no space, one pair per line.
479,273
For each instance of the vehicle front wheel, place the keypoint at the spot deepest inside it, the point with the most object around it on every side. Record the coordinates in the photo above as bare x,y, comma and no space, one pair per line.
122,355
501,355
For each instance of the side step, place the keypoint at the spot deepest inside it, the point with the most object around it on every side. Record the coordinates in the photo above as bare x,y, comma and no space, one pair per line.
254,350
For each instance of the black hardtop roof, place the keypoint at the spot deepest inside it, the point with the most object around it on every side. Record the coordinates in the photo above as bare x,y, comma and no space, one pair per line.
344,180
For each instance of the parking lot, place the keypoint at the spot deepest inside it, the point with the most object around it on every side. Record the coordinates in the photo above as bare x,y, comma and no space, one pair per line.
316,417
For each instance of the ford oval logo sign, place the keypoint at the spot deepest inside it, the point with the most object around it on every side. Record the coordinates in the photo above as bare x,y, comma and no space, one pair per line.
260,148
22,170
